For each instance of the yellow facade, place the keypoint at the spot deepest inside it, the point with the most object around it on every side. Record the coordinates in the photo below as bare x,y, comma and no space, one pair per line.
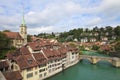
30,74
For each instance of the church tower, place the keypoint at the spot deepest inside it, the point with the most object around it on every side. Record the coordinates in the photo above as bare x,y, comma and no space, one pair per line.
23,30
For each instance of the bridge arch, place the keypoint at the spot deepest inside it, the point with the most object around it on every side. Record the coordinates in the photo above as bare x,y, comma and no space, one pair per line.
95,59
104,61
88,59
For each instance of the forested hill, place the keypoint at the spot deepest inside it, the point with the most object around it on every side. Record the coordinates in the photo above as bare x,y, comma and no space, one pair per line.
111,33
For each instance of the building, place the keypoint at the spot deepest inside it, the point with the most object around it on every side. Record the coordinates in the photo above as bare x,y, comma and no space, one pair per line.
41,59
18,39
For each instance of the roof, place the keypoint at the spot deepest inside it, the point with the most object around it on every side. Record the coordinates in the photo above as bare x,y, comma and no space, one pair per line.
38,43
14,75
26,61
13,35
3,64
24,50
52,54
23,58
40,58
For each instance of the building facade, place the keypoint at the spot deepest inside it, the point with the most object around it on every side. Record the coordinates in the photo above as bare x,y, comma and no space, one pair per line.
18,39
41,59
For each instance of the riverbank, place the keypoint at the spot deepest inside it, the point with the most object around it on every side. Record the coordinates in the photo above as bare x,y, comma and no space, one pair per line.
94,53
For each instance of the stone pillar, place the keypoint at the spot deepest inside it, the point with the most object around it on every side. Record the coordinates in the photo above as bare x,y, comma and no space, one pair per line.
94,60
116,62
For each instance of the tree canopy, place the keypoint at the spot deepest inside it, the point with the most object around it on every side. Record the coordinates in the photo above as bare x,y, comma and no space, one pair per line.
4,41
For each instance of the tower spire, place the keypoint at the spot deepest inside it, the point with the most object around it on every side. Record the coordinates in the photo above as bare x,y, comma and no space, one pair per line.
23,28
23,20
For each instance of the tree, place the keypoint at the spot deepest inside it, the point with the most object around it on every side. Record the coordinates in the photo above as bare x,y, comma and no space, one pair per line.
95,47
117,32
29,39
4,41
6,30
117,46
4,45
109,32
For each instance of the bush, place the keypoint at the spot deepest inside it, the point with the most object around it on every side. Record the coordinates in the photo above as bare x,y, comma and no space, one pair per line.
95,47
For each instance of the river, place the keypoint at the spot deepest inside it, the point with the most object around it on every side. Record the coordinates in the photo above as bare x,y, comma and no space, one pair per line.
86,71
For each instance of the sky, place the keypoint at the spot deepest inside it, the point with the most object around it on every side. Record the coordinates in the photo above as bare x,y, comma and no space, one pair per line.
58,15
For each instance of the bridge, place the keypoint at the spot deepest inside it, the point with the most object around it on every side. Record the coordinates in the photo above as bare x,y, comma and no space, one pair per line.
95,59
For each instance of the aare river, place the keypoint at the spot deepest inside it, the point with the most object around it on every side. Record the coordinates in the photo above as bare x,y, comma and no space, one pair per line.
86,71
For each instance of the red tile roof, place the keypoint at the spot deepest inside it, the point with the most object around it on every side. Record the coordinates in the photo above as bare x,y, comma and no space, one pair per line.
15,75
13,35
4,64
40,58
24,50
25,61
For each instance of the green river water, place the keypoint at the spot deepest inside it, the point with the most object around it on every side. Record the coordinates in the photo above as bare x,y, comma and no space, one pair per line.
84,70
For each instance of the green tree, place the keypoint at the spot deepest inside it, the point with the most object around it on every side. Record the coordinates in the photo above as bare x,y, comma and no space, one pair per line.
95,47
6,30
29,39
117,32
4,41
4,45
117,46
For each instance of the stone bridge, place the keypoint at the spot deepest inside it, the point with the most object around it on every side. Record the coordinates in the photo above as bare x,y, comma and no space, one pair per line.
94,59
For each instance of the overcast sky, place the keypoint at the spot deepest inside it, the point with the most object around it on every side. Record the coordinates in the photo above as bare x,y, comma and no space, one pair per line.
58,15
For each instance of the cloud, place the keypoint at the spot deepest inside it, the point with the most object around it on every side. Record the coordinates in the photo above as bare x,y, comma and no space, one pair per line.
94,21
61,15
38,30
53,13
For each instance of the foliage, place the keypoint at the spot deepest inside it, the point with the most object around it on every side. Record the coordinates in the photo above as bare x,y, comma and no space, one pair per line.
6,30
4,41
82,48
117,32
29,39
47,35
95,47
4,51
80,33
117,46
116,50
73,44
4,45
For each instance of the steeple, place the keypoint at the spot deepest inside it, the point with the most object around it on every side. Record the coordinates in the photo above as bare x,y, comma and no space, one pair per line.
23,28
23,20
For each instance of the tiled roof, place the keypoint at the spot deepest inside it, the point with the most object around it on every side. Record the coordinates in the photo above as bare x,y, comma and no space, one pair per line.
25,61
14,75
39,43
40,58
4,64
52,54
13,35
24,50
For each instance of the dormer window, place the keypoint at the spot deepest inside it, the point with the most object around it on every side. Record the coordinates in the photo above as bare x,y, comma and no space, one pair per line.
30,61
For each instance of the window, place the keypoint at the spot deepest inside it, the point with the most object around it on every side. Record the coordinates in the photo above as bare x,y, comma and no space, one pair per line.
36,73
30,61
72,57
41,70
40,75
42,65
29,75
45,74
29,69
